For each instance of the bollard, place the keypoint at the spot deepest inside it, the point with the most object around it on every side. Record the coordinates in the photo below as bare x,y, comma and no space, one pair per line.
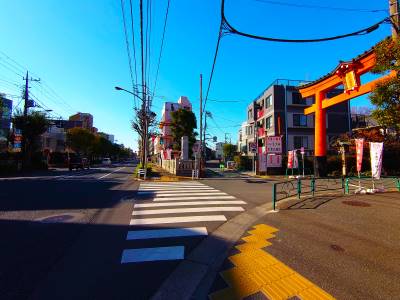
298,188
274,196
346,186
313,186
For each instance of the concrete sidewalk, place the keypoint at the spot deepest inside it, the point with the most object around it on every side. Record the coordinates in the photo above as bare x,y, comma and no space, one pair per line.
346,246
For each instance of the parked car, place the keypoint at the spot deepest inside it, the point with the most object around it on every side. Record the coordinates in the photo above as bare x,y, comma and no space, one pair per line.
77,162
106,161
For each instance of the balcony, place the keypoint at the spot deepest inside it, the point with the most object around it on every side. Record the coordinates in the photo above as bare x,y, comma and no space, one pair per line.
261,132
260,113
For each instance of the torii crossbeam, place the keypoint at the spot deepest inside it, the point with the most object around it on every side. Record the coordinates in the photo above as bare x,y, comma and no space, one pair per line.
348,74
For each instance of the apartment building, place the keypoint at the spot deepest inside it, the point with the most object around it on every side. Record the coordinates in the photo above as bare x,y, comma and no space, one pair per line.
278,111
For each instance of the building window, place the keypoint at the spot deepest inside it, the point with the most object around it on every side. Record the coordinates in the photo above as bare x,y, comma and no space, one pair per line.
268,122
300,141
268,101
297,99
172,107
299,120
250,116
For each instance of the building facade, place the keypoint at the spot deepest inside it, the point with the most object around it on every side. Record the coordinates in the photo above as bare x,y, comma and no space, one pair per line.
279,111
86,119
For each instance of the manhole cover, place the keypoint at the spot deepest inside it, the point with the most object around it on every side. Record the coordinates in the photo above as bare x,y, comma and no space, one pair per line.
356,203
337,248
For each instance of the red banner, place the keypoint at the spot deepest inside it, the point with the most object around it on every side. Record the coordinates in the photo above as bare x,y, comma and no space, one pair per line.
290,160
359,152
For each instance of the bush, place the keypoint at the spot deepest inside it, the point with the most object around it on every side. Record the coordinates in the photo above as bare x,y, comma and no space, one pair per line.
140,166
243,162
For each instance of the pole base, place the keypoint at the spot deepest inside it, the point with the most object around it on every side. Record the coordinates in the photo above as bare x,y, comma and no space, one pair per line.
320,166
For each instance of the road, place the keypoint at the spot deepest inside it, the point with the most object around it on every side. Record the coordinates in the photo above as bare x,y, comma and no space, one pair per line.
99,234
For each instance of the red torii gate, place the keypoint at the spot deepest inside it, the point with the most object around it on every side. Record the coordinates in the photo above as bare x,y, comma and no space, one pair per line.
348,74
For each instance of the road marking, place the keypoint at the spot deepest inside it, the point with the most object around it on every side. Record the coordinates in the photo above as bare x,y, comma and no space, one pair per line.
257,271
193,194
172,184
166,233
173,188
104,176
152,254
178,220
185,210
187,203
175,191
194,198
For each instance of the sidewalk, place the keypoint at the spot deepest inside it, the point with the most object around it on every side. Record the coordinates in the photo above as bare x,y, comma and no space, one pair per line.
346,247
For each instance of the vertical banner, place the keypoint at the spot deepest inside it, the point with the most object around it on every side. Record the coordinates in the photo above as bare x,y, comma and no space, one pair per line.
290,160
376,150
359,153
295,160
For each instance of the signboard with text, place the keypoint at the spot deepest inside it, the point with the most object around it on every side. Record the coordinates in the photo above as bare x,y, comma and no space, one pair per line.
274,144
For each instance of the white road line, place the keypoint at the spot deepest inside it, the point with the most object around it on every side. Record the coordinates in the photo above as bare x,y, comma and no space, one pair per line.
174,187
193,194
170,189
187,203
177,220
166,233
173,184
176,191
104,176
185,210
193,198
152,254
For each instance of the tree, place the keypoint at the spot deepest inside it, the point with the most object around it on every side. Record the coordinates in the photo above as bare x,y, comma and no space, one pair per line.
229,151
32,125
143,123
80,140
386,95
183,123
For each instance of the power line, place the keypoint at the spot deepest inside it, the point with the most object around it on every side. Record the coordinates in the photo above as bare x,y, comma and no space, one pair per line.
133,39
127,49
161,47
322,7
229,29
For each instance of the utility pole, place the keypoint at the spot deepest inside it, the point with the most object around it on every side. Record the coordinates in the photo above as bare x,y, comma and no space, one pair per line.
201,125
394,16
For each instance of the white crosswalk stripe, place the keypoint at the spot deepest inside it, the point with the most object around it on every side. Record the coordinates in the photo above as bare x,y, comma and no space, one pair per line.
163,210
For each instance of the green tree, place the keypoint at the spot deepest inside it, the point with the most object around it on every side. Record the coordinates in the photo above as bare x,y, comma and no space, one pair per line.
32,125
386,95
183,123
80,140
229,151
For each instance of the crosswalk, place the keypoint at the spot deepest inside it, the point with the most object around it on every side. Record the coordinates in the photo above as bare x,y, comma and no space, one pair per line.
168,217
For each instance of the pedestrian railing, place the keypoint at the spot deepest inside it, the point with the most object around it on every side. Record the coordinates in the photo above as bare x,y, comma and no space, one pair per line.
306,187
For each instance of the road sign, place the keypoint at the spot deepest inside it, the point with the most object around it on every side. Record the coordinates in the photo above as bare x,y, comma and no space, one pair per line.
274,144
253,147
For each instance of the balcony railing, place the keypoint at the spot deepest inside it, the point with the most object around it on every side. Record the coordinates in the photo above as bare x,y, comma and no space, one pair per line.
260,113
261,131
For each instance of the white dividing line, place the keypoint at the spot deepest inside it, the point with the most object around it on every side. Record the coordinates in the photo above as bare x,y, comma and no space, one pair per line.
185,210
172,187
188,203
194,198
104,176
146,192
193,194
152,254
167,184
177,220
166,233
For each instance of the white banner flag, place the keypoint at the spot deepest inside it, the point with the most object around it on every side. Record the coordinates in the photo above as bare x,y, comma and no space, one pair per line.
376,150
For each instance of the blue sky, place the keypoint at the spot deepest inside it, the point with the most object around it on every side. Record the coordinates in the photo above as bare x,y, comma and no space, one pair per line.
77,48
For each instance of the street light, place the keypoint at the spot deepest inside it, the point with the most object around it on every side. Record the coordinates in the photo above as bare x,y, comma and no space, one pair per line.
132,93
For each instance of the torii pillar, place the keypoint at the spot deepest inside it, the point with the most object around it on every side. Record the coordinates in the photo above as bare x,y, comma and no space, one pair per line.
346,74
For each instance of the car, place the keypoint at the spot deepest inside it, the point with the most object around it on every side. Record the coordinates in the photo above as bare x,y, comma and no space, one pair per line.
106,161
77,162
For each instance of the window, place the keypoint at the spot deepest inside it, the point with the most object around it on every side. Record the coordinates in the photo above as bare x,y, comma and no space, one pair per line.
250,116
268,122
300,141
268,101
297,99
299,120
172,107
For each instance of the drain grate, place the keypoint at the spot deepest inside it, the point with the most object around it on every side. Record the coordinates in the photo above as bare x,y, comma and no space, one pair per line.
356,203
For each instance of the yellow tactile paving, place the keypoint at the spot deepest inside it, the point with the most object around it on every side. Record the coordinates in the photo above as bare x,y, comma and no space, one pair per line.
258,271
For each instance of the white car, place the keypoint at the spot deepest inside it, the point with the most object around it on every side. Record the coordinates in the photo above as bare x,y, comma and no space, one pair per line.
106,161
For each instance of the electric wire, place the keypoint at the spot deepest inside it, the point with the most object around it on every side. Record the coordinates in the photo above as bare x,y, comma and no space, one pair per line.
321,6
229,29
128,49
161,47
133,40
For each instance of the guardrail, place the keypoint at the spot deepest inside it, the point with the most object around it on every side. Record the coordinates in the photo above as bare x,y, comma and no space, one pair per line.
300,187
